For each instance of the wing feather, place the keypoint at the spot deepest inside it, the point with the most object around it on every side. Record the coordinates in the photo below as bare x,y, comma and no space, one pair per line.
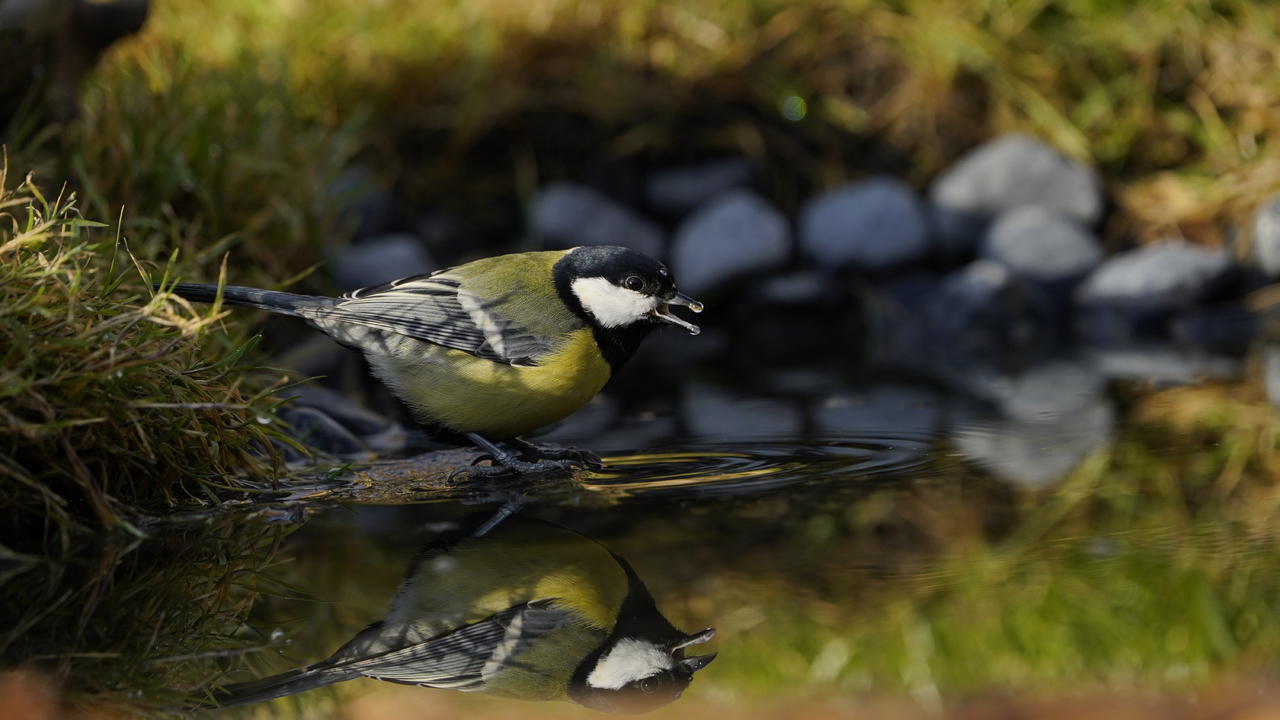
438,309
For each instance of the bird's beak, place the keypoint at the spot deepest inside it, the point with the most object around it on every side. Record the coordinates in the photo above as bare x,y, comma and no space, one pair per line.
663,311
694,664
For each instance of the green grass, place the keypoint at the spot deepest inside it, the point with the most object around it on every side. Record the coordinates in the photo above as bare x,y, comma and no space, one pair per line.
111,408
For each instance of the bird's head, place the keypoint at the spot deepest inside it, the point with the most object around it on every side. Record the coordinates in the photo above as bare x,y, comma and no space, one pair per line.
617,288
638,674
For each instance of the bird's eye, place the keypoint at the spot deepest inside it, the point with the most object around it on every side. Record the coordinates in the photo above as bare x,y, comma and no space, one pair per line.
647,686
633,282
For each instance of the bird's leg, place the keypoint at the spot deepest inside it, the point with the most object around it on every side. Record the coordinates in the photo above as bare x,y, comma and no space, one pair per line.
507,509
551,451
508,463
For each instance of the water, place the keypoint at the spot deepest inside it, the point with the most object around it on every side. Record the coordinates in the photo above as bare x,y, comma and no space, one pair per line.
885,537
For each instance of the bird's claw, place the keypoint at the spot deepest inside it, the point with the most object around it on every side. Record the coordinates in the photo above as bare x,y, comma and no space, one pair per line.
515,468
549,451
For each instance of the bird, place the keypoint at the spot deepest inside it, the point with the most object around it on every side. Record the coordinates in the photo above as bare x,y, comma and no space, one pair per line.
495,348
529,611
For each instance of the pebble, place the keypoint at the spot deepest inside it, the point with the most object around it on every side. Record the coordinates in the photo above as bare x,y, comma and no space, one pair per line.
1266,237
1005,173
872,225
677,190
568,214
382,258
1040,246
737,234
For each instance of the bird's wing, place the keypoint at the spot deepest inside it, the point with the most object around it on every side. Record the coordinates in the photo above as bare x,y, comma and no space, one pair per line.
465,658
439,309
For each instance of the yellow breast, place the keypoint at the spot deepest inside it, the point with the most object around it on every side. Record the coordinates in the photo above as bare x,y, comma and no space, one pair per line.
467,394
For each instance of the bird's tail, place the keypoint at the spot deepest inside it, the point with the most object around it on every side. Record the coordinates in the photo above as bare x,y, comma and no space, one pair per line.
276,686
269,300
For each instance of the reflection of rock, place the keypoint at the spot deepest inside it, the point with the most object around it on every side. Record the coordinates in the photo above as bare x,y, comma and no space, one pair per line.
567,214
1271,372
901,411
382,258
677,190
1044,391
1162,363
1035,454
737,234
1005,173
1265,249
1131,291
711,412
873,225
1040,246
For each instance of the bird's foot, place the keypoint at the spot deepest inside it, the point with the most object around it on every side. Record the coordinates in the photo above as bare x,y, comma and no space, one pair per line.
511,466
550,451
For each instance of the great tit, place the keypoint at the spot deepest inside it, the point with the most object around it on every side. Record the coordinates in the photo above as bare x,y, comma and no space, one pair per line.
529,611
497,347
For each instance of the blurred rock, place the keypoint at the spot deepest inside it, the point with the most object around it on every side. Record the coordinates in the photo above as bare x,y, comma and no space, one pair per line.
382,258
737,234
1008,172
678,190
1042,247
356,418
1035,454
1265,250
712,413
872,225
883,410
567,215
1163,363
980,306
1135,291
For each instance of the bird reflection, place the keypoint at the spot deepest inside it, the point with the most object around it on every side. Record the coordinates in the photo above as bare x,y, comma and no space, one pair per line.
528,610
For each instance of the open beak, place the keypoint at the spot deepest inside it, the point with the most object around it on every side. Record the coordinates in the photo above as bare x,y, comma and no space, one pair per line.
694,664
663,311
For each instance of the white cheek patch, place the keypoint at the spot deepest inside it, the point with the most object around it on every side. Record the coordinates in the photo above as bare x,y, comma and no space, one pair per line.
627,661
610,305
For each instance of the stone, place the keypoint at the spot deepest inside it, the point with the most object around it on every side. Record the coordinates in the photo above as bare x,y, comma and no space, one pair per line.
980,305
1035,454
316,430
884,411
677,190
1005,173
1163,363
356,418
1040,246
737,234
567,214
382,258
1134,292
1271,372
714,414
1044,391
1265,250
873,225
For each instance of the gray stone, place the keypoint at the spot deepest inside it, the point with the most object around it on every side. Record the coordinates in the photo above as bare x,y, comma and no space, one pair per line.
1040,246
737,234
712,413
356,418
1151,281
567,215
876,224
677,190
885,411
1163,363
979,305
316,430
1271,372
1265,250
382,258
1005,173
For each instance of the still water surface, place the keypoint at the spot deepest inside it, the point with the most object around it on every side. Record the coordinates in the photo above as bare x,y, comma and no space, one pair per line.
847,540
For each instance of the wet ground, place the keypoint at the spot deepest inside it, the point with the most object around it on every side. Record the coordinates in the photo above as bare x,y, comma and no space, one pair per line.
887,541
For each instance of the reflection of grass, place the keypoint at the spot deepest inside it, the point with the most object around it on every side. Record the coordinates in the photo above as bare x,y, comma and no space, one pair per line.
107,402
